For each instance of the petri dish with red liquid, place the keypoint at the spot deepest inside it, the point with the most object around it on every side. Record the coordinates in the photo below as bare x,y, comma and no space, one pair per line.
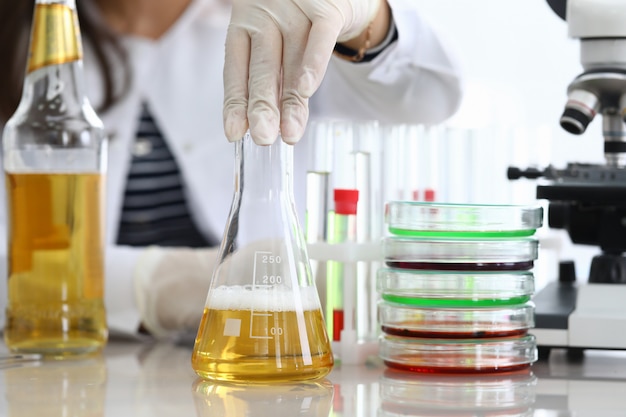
458,356
427,288
502,394
447,220
455,323
459,254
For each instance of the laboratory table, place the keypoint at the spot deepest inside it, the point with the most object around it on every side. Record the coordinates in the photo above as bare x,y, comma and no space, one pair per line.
134,378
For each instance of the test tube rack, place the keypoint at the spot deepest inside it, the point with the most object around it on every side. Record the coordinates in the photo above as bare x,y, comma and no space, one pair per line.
350,349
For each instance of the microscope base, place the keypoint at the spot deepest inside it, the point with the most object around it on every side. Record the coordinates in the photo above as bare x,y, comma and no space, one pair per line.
590,316
599,320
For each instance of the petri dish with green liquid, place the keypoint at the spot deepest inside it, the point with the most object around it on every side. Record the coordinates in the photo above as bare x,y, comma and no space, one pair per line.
455,289
449,220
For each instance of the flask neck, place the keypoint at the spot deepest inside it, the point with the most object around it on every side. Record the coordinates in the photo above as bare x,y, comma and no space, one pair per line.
264,171
54,73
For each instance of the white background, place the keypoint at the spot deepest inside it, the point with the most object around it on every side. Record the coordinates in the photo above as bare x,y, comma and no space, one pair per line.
517,61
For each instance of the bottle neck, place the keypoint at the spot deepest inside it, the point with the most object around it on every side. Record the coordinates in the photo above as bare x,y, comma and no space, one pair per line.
54,79
68,3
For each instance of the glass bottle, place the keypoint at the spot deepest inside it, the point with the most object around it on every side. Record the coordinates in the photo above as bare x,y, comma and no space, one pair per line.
54,162
262,321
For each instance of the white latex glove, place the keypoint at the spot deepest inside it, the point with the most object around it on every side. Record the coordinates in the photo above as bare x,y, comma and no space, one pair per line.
171,286
277,52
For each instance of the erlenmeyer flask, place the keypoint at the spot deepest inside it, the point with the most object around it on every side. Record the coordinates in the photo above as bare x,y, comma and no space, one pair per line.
262,320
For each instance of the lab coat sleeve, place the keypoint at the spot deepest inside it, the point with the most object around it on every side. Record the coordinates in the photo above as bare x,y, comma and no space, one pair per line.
414,80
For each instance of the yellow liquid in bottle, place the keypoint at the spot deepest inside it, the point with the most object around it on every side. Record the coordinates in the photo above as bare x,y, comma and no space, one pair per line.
245,342
56,266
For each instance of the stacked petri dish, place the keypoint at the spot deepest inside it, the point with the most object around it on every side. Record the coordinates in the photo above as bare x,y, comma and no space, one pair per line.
455,292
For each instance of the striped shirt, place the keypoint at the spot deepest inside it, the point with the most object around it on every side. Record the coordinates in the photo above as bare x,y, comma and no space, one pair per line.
155,210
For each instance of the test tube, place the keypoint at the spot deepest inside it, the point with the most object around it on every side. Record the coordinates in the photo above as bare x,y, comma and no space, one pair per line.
340,294
429,163
318,182
365,291
318,179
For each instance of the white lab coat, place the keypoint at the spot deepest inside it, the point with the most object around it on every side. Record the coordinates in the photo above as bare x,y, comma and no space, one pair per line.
180,77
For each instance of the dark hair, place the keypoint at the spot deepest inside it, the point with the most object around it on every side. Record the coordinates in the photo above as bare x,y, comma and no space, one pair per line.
15,22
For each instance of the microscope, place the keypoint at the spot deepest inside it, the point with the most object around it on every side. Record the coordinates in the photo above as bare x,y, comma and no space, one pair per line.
589,200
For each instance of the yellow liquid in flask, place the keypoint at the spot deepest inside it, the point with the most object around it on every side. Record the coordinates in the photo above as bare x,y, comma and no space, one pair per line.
262,336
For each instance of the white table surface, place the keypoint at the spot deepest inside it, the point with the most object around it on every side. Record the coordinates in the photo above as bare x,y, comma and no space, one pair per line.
156,379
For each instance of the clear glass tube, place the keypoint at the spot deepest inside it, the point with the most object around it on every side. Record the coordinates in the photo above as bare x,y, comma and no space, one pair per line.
366,296
318,197
262,320
54,162
341,276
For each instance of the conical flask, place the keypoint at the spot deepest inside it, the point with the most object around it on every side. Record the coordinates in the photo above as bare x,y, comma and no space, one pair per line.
262,320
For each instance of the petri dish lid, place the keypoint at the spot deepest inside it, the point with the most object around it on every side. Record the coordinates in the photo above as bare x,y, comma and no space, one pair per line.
410,321
459,356
454,288
463,251
419,393
410,218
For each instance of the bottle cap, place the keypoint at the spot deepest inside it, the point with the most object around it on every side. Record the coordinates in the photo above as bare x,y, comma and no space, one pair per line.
346,201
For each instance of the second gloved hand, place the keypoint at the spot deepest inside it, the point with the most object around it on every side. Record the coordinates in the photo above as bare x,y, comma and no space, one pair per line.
277,52
171,285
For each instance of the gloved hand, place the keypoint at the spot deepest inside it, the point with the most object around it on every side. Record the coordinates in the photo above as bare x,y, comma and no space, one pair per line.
171,286
277,52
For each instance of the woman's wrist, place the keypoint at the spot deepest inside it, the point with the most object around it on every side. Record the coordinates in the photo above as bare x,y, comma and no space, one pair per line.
373,36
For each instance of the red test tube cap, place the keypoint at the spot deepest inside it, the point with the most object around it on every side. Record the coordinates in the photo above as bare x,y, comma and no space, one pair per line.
346,201
429,195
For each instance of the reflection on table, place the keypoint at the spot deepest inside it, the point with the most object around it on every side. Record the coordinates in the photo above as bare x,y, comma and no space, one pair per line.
156,380
312,399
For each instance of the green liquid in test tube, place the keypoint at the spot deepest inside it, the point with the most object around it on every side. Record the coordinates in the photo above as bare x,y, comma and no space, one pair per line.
342,224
